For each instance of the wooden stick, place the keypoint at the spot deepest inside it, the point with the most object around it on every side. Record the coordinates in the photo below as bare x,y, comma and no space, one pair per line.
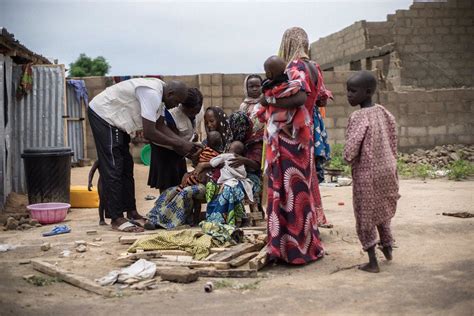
232,273
68,277
260,260
218,250
237,262
238,250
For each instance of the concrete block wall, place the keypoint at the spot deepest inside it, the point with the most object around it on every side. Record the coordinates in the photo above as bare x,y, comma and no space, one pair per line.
435,42
426,118
379,33
346,42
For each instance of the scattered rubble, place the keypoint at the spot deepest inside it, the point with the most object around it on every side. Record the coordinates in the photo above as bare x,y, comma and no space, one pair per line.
45,246
440,156
23,223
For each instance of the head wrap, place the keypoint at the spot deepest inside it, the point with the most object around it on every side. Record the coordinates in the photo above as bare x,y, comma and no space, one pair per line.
294,44
222,125
241,126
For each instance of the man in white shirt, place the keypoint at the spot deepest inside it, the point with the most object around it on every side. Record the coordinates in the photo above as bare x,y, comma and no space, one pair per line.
115,114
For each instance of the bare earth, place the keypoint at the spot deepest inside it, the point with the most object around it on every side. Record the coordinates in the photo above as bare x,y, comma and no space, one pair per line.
432,271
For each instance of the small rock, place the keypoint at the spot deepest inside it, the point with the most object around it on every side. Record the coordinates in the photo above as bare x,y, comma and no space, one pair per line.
23,221
340,203
38,225
179,275
34,222
97,239
12,223
65,254
81,248
26,226
80,242
91,232
208,287
25,261
454,156
46,246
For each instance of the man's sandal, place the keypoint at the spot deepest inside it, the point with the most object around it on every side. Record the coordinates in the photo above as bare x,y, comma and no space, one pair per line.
129,227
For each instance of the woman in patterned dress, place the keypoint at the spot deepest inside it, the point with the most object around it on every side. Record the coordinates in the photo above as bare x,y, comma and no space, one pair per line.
294,203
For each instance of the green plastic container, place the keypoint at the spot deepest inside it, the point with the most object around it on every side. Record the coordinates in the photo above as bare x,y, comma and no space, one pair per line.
145,154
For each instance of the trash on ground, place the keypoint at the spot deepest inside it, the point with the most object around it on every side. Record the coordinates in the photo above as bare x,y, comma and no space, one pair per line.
57,230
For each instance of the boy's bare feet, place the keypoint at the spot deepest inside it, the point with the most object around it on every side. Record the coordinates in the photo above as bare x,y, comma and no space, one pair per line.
368,267
373,265
387,252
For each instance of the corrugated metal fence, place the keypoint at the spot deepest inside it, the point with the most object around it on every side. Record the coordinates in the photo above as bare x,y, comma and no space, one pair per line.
75,124
37,118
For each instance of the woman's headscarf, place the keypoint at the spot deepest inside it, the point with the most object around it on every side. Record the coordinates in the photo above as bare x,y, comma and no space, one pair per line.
248,99
222,125
294,44
241,126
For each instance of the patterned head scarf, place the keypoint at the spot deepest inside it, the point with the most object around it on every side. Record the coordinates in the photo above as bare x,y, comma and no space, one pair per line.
294,44
241,126
222,125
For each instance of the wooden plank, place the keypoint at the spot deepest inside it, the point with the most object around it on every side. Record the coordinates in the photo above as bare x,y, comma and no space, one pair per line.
218,250
238,250
260,260
193,264
254,228
232,273
237,262
68,277
256,215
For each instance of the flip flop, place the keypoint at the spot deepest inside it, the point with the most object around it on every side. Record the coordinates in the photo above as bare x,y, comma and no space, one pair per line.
137,223
123,227
57,230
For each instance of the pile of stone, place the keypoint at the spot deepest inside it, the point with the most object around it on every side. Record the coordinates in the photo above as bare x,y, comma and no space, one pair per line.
441,156
23,223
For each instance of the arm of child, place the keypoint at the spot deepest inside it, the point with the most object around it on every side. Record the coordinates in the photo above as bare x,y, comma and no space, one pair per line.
355,134
216,161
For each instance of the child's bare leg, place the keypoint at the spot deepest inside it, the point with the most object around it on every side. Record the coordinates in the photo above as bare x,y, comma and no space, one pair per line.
368,239
373,265
386,239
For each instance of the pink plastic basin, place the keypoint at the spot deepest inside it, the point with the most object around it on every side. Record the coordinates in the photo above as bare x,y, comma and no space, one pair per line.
49,213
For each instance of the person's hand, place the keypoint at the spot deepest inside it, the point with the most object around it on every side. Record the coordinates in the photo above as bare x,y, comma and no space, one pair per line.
195,138
185,148
237,161
263,101
89,186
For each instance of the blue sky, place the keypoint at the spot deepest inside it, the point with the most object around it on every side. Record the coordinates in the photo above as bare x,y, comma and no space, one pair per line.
178,37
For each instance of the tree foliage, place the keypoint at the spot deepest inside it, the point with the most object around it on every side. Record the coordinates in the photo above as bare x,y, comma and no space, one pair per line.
85,66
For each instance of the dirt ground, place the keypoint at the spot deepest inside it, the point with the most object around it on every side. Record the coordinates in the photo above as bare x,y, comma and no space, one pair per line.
432,271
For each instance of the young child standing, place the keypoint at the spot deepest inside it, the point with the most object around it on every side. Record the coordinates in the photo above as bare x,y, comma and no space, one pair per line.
371,150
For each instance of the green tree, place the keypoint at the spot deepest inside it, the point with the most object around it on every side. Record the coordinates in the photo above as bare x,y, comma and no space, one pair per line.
85,66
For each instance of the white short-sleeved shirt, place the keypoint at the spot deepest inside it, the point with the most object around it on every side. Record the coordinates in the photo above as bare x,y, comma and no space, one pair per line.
152,107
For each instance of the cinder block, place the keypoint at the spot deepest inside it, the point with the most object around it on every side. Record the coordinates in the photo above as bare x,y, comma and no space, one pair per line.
416,108
458,30
338,134
238,91
435,107
226,91
336,111
205,90
417,131
466,139
329,122
437,130
341,122
204,79
216,101
216,79
456,129
216,91
441,30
